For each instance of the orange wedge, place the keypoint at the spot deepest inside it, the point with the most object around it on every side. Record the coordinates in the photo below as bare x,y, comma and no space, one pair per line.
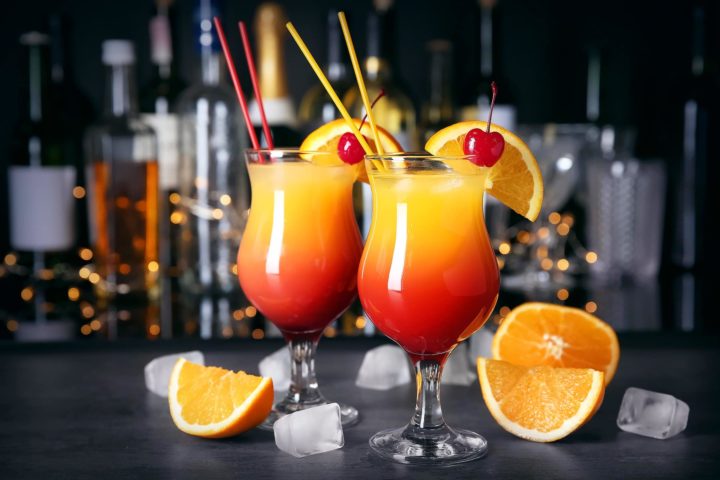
542,404
213,402
327,137
557,336
515,179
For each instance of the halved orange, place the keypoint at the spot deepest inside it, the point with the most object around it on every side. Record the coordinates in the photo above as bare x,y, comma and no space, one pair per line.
557,336
542,404
213,402
327,137
515,179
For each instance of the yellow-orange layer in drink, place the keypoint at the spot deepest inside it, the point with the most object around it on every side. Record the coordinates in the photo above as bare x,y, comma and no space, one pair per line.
299,254
428,277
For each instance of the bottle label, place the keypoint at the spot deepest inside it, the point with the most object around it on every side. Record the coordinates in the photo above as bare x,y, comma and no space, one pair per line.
278,111
503,114
166,129
42,208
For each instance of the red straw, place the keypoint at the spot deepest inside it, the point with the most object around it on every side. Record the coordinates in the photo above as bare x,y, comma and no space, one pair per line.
256,87
236,83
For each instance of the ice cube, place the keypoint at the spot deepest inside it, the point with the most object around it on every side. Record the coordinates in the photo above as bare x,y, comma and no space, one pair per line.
311,431
383,368
457,370
157,372
480,345
447,185
277,366
652,414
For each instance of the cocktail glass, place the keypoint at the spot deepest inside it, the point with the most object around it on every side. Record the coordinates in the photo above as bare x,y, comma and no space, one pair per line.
428,279
298,258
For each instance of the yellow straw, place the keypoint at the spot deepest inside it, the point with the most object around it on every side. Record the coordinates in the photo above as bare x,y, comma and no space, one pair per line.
360,81
329,88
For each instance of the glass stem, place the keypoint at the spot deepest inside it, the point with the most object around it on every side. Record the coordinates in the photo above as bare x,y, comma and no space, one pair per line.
303,386
428,412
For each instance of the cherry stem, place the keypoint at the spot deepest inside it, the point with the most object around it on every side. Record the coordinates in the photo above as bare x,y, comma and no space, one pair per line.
493,86
380,95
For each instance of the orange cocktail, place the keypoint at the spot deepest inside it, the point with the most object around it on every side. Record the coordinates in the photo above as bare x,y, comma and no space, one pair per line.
298,259
299,254
428,279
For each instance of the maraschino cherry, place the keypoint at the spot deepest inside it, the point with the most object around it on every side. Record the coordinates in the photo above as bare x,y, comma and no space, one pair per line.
349,148
485,148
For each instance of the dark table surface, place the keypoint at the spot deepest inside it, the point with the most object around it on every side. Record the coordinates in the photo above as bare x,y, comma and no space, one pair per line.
80,410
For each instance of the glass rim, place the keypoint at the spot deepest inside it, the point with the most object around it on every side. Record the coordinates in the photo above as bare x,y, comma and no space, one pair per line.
405,156
412,162
287,155
285,150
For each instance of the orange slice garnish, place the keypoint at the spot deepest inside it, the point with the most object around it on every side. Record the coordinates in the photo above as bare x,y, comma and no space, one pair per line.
327,137
515,179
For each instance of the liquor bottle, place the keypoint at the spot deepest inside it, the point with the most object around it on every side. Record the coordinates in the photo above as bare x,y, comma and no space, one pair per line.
478,105
690,229
123,186
270,35
213,178
316,107
438,111
691,196
40,186
157,104
158,97
395,112
71,105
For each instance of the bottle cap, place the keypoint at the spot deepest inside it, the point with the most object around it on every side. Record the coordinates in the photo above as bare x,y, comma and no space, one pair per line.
118,52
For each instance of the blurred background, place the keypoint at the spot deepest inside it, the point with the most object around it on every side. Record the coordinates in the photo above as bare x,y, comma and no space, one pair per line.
617,100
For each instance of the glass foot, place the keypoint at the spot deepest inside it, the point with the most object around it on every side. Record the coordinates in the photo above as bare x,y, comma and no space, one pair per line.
348,415
439,447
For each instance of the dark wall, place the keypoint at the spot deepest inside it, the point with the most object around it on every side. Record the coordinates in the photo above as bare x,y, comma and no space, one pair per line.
645,49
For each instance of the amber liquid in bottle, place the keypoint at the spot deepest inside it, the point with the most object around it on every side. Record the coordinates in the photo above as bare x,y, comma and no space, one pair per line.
126,246
123,188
